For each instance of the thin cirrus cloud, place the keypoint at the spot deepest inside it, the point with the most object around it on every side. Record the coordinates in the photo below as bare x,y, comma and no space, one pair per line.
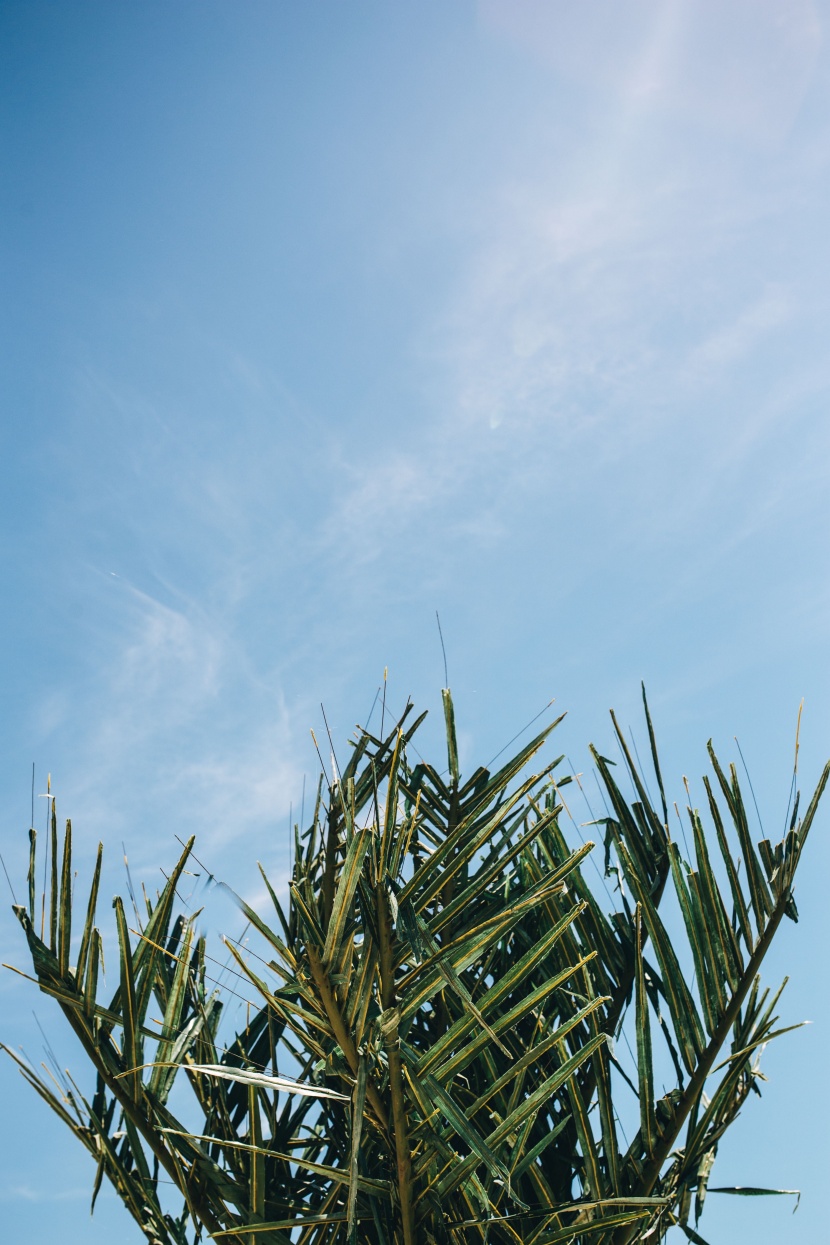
741,67
745,333
174,697
26,1193
609,289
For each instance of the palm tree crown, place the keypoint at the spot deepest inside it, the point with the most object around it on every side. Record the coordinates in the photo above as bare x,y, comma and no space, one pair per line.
432,1057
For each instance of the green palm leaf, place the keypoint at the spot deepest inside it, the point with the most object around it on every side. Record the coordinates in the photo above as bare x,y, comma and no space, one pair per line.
431,1054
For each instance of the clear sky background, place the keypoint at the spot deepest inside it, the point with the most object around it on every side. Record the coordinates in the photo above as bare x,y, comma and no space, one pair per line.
319,318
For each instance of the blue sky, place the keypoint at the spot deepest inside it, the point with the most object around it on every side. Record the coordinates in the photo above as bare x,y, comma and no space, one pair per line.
321,318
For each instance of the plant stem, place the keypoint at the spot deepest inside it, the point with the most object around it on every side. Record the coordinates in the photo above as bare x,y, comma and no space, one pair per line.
341,1033
692,1092
332,846
389,1027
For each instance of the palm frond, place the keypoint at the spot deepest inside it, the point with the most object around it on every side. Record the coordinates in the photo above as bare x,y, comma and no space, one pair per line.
432,1053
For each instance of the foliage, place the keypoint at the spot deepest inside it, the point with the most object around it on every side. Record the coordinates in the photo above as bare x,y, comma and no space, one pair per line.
445,990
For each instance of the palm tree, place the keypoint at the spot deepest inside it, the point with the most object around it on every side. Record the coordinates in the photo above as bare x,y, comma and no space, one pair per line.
432,1058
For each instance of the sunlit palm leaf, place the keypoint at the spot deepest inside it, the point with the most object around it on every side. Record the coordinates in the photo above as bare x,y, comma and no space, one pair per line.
431,1055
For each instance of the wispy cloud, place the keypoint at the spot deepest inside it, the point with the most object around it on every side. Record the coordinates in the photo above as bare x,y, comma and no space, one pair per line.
25,1193
740,67
615,306
745,332
174,699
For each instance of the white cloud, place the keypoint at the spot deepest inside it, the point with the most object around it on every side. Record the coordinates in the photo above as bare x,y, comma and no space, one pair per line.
740,67
382,494
612,292
25,1193
745,332
182,734
165,648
